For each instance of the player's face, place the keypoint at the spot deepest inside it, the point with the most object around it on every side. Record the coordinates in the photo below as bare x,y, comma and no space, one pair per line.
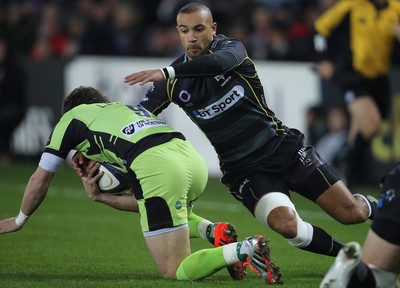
196,31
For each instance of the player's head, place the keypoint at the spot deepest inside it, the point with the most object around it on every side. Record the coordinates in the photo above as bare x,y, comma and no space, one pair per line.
196,29
82,95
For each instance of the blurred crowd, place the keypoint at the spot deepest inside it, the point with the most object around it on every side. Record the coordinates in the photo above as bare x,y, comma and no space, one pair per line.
62,29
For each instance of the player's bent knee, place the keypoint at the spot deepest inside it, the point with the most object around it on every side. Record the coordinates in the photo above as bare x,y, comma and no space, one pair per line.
276,211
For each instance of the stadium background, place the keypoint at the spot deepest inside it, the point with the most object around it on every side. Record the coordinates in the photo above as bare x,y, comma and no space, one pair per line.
64,44
74,242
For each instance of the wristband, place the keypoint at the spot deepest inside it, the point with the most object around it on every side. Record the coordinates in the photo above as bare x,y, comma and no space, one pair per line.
21,219
162,71
169,72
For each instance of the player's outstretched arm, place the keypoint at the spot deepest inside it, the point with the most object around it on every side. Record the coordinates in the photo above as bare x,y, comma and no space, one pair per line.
144,77
8,225
35,192
90,178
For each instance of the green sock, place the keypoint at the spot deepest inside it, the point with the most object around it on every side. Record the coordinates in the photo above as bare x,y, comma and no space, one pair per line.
201,264
198,226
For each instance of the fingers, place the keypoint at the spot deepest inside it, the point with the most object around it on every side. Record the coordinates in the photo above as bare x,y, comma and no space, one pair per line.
91,169
135,78
144,77
78,158
78,163
98,176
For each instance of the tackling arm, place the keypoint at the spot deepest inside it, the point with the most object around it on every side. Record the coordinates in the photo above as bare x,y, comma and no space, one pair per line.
228,54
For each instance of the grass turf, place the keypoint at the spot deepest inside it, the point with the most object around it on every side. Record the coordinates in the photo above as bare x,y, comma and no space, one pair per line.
71,241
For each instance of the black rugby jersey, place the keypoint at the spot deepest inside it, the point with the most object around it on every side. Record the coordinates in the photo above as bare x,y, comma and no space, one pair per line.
222,94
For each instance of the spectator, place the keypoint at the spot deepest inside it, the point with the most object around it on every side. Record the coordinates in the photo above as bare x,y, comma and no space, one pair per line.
51,41
332,146
316,126
126,24
98,37
12,96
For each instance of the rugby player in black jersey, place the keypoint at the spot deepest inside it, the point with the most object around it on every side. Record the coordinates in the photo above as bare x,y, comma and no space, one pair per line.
378,263
262,160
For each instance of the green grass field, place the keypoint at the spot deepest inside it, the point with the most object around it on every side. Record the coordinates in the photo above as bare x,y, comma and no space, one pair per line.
72,241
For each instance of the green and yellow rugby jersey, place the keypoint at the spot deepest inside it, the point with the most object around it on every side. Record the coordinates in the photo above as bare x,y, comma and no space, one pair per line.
108,132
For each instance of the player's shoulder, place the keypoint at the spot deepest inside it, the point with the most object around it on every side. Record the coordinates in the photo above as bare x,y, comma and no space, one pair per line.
88,111
223,42
180,59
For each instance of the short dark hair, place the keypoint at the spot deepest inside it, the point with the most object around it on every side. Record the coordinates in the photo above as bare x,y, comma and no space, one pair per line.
82,95
194,7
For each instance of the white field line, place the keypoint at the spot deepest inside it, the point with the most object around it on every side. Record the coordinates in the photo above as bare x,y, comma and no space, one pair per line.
73,193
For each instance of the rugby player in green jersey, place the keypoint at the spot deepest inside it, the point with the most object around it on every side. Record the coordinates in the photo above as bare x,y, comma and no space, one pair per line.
262,160
167,176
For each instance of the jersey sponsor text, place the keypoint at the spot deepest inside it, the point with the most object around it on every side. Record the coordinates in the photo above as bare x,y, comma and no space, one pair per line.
221,105
136,126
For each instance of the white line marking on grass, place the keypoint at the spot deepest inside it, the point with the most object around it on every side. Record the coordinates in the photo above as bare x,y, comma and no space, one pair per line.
73,193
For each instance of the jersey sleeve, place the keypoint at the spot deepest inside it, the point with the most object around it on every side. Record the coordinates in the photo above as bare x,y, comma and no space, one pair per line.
64,137
157,98
227,55
332,18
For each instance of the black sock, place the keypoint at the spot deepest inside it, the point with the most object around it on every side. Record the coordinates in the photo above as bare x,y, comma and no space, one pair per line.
362,277
323,243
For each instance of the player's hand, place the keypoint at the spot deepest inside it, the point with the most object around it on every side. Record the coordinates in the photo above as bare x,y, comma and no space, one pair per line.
79,163
90,177
326,69
8,225
144,77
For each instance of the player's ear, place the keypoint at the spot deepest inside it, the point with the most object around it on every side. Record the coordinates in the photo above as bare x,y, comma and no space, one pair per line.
214,28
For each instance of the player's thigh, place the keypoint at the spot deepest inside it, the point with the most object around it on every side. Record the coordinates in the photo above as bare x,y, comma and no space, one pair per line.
382,246
169,181
381,253
196,170
364,112
169,249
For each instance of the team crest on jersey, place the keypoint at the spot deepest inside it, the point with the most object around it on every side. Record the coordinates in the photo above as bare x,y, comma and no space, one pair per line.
223,104
185,96
136,126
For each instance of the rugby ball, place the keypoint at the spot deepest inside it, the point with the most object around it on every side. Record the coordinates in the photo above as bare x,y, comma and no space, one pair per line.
113,180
